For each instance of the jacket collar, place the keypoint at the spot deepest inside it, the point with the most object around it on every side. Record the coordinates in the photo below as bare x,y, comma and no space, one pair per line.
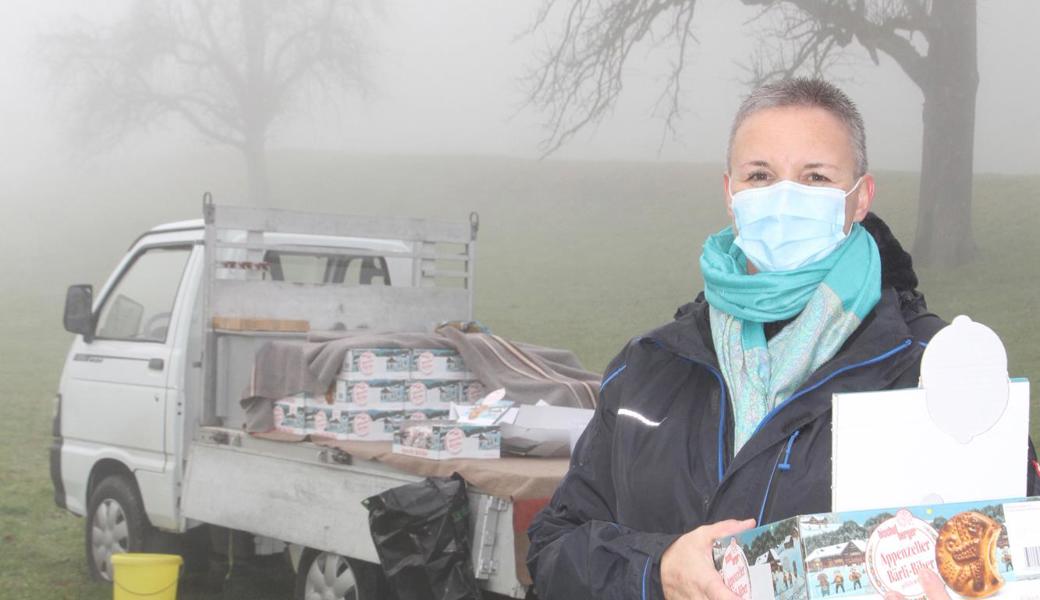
876,353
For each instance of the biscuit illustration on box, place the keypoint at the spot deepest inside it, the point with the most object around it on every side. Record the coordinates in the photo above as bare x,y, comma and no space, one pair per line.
966,554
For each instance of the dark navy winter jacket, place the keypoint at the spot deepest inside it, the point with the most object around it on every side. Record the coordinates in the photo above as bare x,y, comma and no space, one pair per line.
657,459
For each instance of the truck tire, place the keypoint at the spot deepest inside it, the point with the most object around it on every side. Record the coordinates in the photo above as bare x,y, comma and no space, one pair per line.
328,576
116,522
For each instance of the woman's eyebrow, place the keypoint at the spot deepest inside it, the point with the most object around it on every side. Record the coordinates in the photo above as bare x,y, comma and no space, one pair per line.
819,165
755,163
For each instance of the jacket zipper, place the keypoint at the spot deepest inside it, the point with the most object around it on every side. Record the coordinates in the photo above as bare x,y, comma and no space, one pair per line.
765,497
786,465
723,402
783,466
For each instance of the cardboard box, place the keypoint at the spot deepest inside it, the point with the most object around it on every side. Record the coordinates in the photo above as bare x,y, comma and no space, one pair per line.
444,440
434,393
544,431
865,554
927,463
376,363
390,394
415,413
914,446
495,409
341,422
438,363
290,414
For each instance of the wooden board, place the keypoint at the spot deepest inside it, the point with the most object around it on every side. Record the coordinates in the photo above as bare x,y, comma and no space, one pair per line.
260,324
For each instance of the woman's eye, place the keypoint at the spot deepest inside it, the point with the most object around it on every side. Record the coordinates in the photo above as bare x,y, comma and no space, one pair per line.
818,178
758,176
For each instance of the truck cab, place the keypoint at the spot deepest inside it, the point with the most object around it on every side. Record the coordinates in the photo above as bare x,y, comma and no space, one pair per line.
153,370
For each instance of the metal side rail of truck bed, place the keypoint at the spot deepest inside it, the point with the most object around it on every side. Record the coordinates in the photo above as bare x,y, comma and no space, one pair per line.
305,494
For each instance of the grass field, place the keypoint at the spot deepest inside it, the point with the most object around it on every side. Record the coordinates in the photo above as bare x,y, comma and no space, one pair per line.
579,255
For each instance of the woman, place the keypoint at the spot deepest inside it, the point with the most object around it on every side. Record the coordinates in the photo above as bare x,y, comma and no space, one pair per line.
721,418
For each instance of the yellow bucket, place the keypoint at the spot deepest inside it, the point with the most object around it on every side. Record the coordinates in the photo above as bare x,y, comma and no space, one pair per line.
145,576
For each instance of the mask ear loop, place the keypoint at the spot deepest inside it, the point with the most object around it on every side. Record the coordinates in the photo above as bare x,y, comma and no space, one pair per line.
847,194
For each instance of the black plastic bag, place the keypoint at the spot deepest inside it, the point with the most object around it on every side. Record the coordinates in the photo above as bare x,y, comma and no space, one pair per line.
421,533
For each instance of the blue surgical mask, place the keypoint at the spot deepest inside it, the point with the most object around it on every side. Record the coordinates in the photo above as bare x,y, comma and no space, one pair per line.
787,225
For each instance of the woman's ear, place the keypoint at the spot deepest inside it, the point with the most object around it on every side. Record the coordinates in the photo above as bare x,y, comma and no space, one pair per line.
726,195
864,195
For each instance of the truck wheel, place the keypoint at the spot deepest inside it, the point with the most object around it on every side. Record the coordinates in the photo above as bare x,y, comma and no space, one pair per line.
328,576
116,522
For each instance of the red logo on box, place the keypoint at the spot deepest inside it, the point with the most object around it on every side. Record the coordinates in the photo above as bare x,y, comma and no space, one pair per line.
897,550
417,394
362,424
359,394
426,363
453,440
367,363
735,570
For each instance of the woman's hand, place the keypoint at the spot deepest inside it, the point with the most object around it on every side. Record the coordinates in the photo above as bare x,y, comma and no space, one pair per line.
934,588
688,568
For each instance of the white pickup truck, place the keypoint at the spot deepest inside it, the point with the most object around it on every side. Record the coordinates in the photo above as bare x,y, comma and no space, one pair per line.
148,431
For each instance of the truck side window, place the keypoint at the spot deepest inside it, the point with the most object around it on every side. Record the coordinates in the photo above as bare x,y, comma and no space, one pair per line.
367,270
139,306
324,269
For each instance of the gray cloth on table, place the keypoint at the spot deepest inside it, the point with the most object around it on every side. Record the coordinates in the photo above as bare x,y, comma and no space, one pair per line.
528,373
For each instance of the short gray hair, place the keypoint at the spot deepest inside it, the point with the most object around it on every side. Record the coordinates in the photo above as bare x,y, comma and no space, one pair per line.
806,92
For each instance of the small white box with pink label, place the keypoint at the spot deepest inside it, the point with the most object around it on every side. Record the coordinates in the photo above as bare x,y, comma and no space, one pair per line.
438,363
376,363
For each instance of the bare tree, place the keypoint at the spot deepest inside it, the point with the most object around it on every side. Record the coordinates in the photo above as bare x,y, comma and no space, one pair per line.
229,69
579,78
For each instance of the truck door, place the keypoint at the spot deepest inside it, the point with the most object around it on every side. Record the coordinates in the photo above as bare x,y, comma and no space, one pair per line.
117,385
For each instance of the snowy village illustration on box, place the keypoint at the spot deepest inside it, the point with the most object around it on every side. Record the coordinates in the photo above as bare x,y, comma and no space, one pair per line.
981,549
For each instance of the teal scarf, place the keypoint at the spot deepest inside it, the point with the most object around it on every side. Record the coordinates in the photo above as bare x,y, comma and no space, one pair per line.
828,298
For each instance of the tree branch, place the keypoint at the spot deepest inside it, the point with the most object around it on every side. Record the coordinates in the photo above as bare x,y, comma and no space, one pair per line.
579,78
845,22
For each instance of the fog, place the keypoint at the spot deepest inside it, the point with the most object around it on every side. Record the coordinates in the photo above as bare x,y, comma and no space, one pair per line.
445,79
444,83
583,249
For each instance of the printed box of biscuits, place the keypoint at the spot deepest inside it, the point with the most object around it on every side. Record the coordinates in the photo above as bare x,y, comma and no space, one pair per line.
446,440
982,549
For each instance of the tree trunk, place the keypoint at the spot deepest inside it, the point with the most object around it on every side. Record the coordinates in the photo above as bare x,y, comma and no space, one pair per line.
258,189
944,233
255,103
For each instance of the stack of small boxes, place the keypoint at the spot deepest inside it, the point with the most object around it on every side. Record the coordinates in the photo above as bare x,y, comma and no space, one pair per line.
378,388
437,379
371,391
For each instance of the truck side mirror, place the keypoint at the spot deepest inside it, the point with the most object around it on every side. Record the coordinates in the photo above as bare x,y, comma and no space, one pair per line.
79,304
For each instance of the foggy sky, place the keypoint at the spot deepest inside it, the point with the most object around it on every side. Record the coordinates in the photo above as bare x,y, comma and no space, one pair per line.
446,80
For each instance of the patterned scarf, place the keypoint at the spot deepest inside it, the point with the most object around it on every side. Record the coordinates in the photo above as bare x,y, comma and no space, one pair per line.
828,298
